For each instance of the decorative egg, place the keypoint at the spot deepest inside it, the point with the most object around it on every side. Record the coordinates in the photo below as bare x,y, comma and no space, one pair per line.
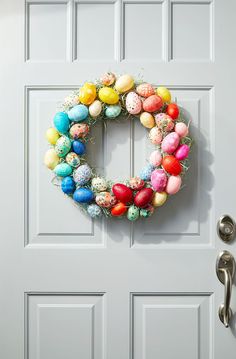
52,135
108,95
51,159
72,159
78,147
87,93
105,199
164,93
173,111
71,100
159,199
133,103
171,165
182,152
82,174
158,180
155,135
173,184
94,210
145,90
61,122
79,130
181,129
113,111
133,213
152,104
122,192
99,184
119,209
164,122
147,211
170,142
155,158
147,120
68,185
136,183
78,113
146,172
63,170
83,195
63,146
143,197
108,79
124,83
95,108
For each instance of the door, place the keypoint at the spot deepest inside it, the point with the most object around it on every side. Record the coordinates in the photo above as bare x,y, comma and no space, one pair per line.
76,288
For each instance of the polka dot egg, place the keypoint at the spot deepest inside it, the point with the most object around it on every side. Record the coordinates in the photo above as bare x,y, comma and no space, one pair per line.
99,184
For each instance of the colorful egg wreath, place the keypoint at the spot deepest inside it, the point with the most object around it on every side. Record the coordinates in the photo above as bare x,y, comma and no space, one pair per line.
110,98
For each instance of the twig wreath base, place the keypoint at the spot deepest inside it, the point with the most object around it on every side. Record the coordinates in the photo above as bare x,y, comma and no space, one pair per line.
112,98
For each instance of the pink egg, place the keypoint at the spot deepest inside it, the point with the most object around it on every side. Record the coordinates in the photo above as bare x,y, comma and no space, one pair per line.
173,184
155,158
182,152
170,142
133,103
145,90
164,122
181,129
158,180
155,136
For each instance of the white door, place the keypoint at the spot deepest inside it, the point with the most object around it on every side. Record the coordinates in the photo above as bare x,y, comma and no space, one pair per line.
72,288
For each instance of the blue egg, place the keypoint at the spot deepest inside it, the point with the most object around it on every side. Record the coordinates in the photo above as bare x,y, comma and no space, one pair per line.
113,111
78,113
146,172
61,122
78,147
68,185
63,170
83,195
94,210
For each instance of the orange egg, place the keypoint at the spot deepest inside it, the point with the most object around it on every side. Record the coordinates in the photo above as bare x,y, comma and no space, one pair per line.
119,209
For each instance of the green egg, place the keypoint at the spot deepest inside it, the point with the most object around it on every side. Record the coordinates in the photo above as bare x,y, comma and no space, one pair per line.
63,170
133,213
113,111
63,146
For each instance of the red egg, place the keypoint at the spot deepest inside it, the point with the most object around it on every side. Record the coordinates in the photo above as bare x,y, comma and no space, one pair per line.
152,103
171,165
119,209
122,192
173,111
143,197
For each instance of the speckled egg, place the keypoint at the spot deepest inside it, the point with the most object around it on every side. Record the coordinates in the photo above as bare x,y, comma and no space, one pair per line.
145,90
170,142
124,83
155,136
95,108
61,122
113,111
79,130
105,199
63,146
181,129
158,180
155,158
68,185
133,213
82,174
152,104
83,195
108,79
51,159
147,211
78,113
94,210
136,183
71,100
99,184
159,199
147,120
73,159
146,172
173,184
182,152
63,170
133,103
164,122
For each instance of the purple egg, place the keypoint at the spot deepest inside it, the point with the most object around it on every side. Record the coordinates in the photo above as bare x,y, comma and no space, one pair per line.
182,152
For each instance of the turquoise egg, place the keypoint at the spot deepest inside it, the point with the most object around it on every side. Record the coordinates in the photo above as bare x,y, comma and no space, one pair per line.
78,113
113,111
63,170
83,195
133,213
63,146
61,122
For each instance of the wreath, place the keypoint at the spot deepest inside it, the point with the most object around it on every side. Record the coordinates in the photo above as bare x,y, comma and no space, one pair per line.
111,98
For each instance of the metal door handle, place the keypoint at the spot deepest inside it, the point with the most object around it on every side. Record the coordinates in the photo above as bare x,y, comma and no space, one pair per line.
225,269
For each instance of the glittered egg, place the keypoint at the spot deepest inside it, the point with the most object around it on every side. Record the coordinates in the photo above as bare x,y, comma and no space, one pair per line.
147,120
158,180
99,184
83,195
133,213
71,100
51,159
78,113
63,170
122,192
108,95
52,135
82,174
63,146
155,158
147,211
155,135
87,93
145,90
124,83
133,103
159,198
113,111
173,184
182,152
61,122
164,122
164,93
143,197
108,79
72,159
95,108
78,147
136,183
94,210
146,172
181,129
152,104
68,185
79,130
170,142
105,199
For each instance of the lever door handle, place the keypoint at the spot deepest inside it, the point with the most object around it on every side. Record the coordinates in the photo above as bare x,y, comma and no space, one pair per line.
225,269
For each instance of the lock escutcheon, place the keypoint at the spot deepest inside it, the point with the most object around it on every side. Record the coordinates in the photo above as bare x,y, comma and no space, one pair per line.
226,228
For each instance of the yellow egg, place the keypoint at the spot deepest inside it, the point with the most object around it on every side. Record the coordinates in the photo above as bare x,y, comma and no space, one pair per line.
124,83
108,95
95,108
159,199
51,159
87,93
164,93
147,120
52,135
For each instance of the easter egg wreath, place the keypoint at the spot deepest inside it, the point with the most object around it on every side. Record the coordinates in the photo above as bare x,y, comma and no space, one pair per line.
107,99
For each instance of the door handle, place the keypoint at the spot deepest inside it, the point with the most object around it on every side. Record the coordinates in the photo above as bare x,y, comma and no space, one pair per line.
225,269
